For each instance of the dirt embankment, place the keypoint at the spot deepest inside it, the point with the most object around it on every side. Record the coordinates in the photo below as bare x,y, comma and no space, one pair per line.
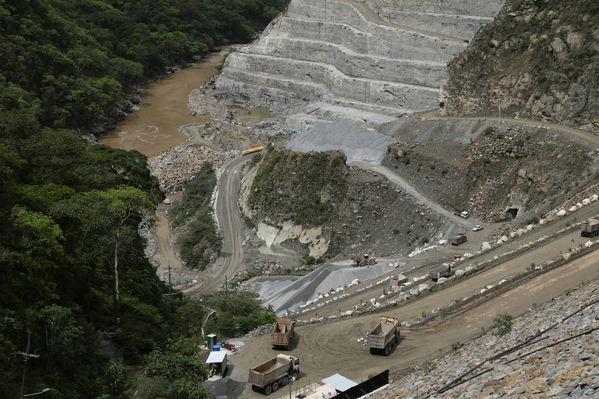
359,211
497,173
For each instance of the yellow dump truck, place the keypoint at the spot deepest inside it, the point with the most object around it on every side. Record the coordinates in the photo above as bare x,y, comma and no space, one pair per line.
384,337
276,372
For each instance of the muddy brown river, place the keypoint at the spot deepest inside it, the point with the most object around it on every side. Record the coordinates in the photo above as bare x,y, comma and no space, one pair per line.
155,127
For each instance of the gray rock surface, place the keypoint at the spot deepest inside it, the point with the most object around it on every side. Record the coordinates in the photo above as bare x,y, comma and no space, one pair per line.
566,370
363,60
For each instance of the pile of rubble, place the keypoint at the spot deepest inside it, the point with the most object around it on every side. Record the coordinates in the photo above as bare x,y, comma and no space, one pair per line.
260,331
557,352
176,166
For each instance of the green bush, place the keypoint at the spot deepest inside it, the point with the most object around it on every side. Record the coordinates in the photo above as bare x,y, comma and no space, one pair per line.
502,324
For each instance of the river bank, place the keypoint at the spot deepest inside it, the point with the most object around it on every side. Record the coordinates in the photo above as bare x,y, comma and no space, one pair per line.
154,127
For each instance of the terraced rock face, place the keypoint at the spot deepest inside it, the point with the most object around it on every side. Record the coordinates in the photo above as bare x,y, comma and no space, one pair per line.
363,60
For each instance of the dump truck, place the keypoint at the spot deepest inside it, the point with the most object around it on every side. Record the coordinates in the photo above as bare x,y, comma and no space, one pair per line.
458,239
384,337
282,333
268,377
444,270
591,228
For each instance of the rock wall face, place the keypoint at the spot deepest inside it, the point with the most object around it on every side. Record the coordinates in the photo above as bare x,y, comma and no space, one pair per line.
538,60
366,60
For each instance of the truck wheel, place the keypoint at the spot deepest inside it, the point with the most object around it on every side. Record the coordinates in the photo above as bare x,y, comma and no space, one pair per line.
275,386
387,351
372,351
268,390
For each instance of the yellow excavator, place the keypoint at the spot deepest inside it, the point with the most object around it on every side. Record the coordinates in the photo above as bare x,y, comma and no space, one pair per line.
365,260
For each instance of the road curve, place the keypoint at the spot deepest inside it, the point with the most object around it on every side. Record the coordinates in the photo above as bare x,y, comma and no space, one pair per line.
411,190
333,347
581,134
230,220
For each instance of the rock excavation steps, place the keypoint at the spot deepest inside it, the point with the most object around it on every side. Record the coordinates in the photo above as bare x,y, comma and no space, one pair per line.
365,60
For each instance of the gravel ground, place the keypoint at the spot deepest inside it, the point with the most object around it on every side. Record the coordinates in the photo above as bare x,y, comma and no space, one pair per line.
344,136
321,281
566,370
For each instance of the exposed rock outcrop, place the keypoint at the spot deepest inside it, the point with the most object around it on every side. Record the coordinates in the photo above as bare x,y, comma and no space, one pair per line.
362,60
538,60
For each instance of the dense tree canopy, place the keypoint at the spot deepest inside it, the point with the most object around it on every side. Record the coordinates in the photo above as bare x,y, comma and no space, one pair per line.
69,214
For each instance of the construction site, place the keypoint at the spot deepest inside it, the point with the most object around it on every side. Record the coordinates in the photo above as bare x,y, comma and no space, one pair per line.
403,232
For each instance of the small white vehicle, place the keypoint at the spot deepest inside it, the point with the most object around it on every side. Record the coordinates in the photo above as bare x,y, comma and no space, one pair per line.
478,227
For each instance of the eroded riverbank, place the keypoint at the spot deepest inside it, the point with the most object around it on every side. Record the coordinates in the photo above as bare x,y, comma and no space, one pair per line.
155,127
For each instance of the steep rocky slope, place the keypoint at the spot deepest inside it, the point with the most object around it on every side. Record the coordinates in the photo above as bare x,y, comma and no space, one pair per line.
356,210
496,172
538,60
566,369
363,60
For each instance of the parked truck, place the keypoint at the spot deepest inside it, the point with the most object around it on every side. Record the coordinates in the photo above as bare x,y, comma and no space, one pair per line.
458,239
444,270
591,228
282,333
384,337
269,376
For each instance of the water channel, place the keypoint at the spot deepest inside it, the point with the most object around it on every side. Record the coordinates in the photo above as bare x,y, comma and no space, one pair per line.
155,127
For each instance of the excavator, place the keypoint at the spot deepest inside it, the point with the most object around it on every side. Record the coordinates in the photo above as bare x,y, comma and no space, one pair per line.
365,260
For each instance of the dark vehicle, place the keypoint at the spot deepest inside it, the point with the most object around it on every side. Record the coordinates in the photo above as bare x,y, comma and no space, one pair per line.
458,239
441,271
591,229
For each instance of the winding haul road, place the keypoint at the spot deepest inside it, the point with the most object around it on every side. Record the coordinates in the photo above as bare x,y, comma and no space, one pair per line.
230,223
332,347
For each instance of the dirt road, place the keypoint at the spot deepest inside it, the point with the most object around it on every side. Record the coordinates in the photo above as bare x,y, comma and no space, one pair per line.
329,348
547,251
230,223
587,137
166,255
411,190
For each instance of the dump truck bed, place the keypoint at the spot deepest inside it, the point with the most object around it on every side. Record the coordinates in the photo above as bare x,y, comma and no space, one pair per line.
382,333
270,371
282,332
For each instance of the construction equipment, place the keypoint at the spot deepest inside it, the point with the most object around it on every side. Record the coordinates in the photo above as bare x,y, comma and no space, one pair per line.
458,239
591,228
269,376
385,336
365,260
252,150
282,333
444,270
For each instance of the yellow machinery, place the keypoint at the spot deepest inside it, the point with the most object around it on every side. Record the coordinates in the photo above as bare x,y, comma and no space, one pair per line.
252,150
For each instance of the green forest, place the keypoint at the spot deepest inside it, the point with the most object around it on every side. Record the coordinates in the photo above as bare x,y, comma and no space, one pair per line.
82,313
